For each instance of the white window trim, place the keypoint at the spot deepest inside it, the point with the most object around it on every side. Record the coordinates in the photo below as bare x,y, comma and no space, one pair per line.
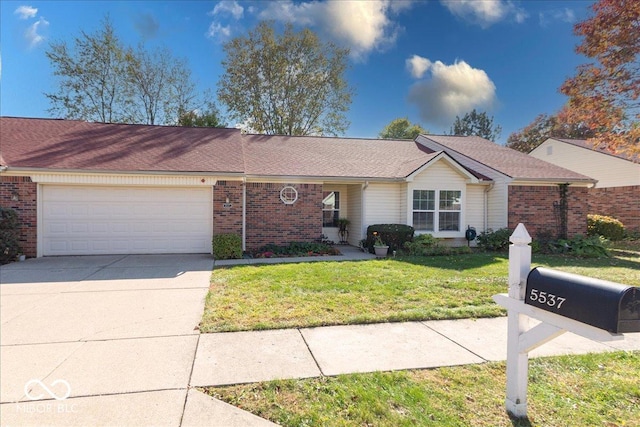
285,192
331,210
436,212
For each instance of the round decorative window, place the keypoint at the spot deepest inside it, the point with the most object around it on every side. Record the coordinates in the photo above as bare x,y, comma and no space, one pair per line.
288,195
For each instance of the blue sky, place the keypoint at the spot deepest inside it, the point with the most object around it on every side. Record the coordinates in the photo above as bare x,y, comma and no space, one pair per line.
425,60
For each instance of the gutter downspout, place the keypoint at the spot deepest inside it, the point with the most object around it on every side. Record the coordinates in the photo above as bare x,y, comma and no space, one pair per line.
486,205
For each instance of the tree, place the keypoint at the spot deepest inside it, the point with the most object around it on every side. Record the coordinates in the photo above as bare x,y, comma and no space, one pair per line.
209,117
159,86
401,129
289,83
603,95
543,127
102,80
478,124
91,77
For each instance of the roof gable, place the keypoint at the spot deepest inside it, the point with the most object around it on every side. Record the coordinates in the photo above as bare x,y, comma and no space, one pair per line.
504,160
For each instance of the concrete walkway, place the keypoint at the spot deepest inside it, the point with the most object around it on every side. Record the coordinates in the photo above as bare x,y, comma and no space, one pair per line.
119,335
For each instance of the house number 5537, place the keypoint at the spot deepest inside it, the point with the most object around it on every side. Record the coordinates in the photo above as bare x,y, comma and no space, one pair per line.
546,298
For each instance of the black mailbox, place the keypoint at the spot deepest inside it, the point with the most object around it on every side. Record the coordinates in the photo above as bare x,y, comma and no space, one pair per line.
606,305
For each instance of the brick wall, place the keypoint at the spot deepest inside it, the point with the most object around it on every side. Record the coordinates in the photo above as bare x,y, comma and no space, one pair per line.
533,206
227,220
271,221
622,203
26,208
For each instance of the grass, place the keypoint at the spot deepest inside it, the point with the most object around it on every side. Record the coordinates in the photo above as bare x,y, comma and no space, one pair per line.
255,297
589,390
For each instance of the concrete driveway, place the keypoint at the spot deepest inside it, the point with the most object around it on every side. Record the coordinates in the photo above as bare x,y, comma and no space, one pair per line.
105,340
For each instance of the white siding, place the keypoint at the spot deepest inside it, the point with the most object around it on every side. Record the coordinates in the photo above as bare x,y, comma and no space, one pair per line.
610,171
498,211
439,176
475,207
383,204
354,207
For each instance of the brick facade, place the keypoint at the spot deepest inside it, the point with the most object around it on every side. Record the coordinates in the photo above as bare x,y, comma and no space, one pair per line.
227,219
533,206
26,207
622,203
271,221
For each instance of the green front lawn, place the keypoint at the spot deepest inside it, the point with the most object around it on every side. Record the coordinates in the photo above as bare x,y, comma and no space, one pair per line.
402,289
569,391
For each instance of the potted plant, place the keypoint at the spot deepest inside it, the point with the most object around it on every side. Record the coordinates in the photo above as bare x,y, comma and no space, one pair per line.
343,223
378,246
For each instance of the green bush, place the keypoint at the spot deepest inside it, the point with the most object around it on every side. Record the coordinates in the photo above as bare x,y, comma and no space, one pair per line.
9,246
421,245
494,240
227,246
585,247
295,249
394,235
605,226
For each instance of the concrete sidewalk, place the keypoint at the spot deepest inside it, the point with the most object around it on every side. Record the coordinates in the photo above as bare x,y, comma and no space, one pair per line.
245,357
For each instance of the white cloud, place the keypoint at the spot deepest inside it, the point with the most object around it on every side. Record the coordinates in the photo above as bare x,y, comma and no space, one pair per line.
33,35
228,7
216,29
418,65
563,15
452,90
26,12
485,12
360,25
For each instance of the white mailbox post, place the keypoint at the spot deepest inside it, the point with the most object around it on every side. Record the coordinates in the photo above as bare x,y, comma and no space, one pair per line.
521,339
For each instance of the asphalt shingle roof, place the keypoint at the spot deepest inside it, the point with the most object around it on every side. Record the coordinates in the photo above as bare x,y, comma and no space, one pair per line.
509,162
77,145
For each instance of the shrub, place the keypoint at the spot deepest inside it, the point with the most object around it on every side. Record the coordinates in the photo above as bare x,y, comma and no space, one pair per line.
586,247
421,245
227,246
394,235
494,240
9,246
295,249
605,226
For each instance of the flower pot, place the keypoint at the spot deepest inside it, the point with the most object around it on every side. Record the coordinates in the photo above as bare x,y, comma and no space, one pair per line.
381,251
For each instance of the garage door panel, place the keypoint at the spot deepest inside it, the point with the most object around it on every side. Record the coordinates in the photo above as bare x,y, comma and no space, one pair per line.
119,220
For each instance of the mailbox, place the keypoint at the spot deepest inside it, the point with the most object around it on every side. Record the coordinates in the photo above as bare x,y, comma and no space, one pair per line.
606,305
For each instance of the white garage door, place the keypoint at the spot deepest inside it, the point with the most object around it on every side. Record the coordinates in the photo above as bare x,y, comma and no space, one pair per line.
85,220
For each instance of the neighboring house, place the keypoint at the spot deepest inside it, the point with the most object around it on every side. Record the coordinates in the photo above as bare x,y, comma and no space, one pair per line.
617,192
91,188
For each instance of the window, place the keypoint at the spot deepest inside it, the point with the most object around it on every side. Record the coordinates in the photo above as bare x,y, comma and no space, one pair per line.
424,206
437,210
330,208
288,195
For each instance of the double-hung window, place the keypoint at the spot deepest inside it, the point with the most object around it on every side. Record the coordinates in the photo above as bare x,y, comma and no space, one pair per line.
437,210
330,208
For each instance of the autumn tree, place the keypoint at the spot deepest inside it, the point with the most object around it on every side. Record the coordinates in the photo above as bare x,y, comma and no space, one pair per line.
543,127
289,83
401,128
101,79
603,95
475,123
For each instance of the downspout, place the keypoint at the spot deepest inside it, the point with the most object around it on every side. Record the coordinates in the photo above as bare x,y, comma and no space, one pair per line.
363,213
244,214
486,206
